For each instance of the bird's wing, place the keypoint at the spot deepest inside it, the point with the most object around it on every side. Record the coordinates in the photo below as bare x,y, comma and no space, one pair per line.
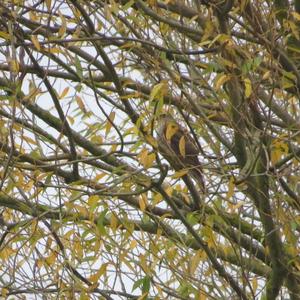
191,148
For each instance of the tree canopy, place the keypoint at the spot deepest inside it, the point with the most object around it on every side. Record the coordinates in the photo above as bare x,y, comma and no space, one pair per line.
89,208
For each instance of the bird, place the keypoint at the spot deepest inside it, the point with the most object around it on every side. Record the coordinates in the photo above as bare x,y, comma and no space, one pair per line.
178,147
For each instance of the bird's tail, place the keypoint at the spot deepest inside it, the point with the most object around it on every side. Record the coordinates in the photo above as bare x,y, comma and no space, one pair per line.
198,176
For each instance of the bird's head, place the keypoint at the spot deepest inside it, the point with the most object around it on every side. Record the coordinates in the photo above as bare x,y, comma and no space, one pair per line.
165,118
166,124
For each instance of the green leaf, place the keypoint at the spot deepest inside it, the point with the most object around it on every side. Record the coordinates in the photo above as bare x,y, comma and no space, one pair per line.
128,5
146,284
78,67
193,218
137,284
100,222
143,283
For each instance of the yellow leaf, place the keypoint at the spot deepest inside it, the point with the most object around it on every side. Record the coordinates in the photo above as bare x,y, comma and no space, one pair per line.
164,28
128,45
146,159
159,90
114,222
294,28
80,104
63,28
254,284
143,296
131,96
296,15
35,42
151,140
99,176
180,173
235,207
113,148
169,191
109,122
33,92
142,155
93,200
182,146
150,160
4,292
4,35
171,254
64,93
202,295
54,50
195,260
143,202
71,120
78,249
14,66
248,87
33,16
279,148
80,209
85,295
157,199
97,139
48,4
103,269
286,83
40,262
50,260
208,233
29,140
171,130
28,186
133,244
68,234
223,38
95,277
230,188
48,245
143,263
6,252
266,75
209,31
221,80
